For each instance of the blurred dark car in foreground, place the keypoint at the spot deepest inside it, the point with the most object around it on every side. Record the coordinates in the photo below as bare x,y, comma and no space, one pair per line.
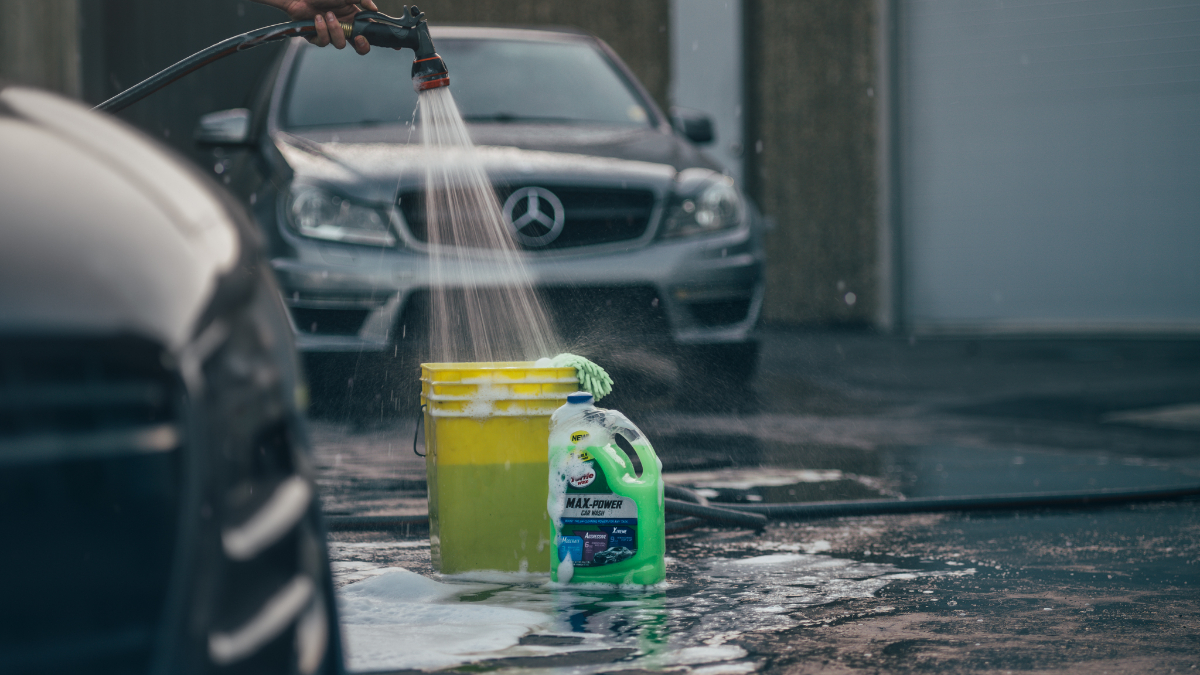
156,501
643,243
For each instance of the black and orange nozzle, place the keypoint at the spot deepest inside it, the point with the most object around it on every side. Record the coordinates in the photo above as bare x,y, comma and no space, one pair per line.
408,31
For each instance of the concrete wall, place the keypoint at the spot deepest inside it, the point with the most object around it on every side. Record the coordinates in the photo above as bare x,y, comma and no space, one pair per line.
811,145
639,30
39,46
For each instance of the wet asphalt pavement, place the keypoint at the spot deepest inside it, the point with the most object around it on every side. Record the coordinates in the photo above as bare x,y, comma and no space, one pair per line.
846,415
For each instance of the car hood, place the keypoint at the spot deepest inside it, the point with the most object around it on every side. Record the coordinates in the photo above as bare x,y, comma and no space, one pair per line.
104,233
374,163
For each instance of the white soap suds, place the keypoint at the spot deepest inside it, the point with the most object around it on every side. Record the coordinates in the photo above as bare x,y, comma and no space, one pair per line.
400,619
566,569
496,578
704,654
737,668
563,465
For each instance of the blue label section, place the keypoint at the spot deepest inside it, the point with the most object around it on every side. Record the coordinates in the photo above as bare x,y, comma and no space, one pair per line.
572,545
622,536
599,521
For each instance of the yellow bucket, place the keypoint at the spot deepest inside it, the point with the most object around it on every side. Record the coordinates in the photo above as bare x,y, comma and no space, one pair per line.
486,433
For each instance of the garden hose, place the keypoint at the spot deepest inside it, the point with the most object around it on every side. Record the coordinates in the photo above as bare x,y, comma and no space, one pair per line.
408,31
701,514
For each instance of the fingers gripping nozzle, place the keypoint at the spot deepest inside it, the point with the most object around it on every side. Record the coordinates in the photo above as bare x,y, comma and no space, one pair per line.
409,31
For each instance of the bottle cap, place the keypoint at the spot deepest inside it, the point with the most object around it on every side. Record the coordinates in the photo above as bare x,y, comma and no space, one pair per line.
579,397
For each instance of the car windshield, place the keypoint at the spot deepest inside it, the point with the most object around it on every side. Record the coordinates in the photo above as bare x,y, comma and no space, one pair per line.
492,80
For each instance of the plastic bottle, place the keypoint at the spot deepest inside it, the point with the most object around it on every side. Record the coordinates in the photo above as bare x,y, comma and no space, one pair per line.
606,521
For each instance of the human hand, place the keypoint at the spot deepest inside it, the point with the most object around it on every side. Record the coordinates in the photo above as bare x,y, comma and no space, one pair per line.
327,16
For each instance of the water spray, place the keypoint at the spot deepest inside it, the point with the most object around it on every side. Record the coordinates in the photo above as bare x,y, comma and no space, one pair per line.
409,31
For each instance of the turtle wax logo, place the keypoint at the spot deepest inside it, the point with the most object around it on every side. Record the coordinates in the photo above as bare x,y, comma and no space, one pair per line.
583,478
535,216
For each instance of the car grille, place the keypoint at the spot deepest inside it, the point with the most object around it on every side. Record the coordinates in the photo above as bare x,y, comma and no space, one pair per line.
721,312
331,313
329,321
89,488
583,314
579,314
593,216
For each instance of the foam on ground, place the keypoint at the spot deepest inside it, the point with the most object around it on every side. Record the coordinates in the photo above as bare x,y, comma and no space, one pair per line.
401,620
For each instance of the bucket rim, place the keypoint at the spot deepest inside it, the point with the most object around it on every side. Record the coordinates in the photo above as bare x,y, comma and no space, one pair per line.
489,365
507,397
498,373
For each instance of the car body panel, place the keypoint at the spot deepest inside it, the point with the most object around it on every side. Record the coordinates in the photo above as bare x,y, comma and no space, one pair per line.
119,273
151,416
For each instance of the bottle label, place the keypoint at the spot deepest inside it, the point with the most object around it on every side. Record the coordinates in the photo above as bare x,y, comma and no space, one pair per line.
598,527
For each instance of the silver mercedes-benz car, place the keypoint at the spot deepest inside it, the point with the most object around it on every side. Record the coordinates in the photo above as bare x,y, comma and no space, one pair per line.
637,242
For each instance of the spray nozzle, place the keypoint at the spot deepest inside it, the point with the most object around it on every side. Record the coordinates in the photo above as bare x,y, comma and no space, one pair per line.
408,31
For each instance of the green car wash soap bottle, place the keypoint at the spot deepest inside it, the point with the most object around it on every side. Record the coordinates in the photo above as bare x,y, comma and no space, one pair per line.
606,520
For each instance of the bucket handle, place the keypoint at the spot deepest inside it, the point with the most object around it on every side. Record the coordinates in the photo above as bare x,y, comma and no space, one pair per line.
417,431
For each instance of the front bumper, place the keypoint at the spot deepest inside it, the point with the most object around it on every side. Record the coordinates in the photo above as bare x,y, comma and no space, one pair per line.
700,291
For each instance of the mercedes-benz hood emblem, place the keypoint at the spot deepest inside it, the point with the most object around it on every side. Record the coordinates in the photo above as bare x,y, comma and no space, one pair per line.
534,215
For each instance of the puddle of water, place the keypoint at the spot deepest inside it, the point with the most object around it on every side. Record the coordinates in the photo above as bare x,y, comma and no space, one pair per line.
778,485
1186,417
745,479
396,619
934,471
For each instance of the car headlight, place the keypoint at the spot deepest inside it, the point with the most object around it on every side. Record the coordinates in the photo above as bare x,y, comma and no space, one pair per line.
714,207
320,214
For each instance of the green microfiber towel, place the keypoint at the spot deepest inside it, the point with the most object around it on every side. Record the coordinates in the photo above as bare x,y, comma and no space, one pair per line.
592,377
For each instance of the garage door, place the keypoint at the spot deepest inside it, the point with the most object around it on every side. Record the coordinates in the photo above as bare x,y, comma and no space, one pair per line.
1049,166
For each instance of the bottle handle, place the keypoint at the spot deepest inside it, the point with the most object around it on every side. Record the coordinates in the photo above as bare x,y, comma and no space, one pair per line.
617,423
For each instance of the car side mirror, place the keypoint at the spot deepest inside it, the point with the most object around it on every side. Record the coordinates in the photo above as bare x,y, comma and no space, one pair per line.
694,125
225,127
